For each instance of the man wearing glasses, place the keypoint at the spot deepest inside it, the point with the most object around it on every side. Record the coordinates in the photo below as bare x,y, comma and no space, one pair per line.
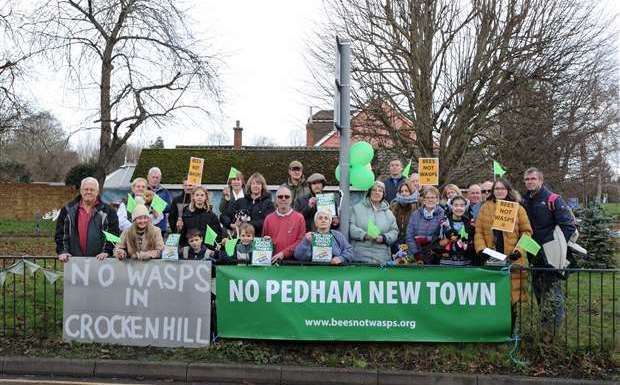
486,188
285,226
296,181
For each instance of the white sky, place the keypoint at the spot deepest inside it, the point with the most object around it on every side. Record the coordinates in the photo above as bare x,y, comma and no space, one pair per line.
264,76
262,46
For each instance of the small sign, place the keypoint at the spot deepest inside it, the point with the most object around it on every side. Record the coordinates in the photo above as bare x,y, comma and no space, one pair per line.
194,175
428,168
262,251
171,248
505,216
322,247
326,202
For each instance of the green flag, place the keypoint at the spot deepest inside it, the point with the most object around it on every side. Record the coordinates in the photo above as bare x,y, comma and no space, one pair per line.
230,246
210,236
407,170
498,169
158,204
373,230
528,244
111,237
232,174
463,233
131,203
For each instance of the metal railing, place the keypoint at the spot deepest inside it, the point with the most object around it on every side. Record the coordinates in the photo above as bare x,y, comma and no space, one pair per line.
31,306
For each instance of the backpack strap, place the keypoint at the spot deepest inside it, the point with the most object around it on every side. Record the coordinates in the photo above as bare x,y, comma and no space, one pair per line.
551,201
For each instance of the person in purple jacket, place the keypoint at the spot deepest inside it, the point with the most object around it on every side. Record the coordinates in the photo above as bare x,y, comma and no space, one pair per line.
342,251
424,227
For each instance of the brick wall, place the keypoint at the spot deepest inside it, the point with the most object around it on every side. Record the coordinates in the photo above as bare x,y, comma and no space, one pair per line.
22,201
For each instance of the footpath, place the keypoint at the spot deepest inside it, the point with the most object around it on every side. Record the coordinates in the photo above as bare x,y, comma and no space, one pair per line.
213,373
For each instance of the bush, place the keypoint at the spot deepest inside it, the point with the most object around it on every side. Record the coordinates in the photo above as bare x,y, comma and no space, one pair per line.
595,236
76,174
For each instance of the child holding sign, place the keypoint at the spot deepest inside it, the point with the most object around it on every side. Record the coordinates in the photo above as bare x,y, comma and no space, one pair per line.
324,245
505,242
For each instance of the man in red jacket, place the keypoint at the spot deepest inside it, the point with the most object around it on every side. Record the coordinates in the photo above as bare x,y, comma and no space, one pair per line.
285,226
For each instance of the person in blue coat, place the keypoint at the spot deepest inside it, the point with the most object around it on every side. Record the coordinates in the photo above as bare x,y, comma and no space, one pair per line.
154,179
342,251
546,210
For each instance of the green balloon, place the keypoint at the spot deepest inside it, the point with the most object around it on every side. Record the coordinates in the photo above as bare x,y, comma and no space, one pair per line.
338,173
361,177
361,153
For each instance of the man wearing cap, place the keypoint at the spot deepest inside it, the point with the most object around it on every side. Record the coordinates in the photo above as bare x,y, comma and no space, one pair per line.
296,181
81,222
307,205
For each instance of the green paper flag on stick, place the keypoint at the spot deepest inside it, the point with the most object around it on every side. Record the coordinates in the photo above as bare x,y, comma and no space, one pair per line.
407,170
528,244
230,246
131,203
498,169
463,233
111,237
158,204
373,230
232,174
210,236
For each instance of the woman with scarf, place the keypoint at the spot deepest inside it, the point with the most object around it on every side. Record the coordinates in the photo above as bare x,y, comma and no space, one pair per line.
424,227
405,203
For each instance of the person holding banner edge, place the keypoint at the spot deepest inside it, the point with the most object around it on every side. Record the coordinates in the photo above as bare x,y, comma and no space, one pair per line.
504,242
81,223
373,227
342,251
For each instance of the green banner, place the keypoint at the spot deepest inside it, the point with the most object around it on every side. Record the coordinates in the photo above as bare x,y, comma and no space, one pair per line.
363,303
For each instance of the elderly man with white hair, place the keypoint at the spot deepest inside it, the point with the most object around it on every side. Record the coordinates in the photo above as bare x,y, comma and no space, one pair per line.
154,179
341,249
81,223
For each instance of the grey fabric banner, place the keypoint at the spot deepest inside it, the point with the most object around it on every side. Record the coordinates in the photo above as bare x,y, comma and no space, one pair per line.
155,303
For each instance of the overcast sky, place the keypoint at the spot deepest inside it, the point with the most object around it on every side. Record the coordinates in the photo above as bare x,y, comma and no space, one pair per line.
264,76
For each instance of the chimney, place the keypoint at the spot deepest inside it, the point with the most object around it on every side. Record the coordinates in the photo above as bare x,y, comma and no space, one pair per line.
237,143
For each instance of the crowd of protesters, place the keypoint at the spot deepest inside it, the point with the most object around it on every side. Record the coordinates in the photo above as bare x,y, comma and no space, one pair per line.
397,221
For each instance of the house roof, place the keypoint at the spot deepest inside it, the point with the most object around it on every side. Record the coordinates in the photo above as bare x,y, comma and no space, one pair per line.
327,115
272,162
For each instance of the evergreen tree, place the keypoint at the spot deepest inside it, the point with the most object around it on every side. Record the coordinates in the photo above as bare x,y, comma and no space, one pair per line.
595,236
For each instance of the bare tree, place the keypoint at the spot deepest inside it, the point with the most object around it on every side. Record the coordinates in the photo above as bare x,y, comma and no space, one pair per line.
448,66
139,55
40,143
11,59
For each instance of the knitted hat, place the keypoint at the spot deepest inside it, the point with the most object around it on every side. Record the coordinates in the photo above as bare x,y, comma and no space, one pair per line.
139,211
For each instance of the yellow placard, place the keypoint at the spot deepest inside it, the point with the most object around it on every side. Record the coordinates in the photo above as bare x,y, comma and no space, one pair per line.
194,175
428,168
505,216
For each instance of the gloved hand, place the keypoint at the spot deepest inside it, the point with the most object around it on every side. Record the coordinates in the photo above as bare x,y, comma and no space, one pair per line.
515,255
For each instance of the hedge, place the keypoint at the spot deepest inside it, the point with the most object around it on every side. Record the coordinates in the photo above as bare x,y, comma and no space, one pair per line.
271,162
